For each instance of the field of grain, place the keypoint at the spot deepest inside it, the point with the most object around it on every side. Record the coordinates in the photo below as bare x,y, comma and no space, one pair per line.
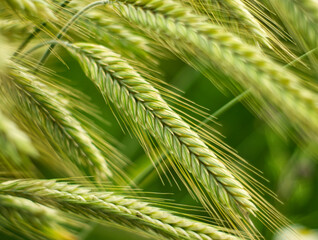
158,119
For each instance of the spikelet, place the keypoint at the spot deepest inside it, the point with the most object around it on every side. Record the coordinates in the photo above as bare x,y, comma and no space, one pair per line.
109,206
246,17
34,9
31,220
98,18
110,31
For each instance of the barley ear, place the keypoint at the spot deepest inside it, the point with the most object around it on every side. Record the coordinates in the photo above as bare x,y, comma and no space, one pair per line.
32,220
49,109
110,31
111,207
143,104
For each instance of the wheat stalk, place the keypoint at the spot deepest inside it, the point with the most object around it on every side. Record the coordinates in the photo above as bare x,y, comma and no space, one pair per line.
109,206
252,67
49,109
16,214
33,9
130,93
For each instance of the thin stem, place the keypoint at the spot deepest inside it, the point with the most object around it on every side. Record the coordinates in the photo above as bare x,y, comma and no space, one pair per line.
67,26
300,57
36,47
226,107
42,44
36,31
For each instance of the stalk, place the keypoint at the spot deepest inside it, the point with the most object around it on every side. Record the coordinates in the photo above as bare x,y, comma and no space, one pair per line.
66,27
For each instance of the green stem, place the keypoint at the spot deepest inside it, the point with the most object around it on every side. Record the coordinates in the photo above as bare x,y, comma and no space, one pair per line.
67,26
226,107
36,31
